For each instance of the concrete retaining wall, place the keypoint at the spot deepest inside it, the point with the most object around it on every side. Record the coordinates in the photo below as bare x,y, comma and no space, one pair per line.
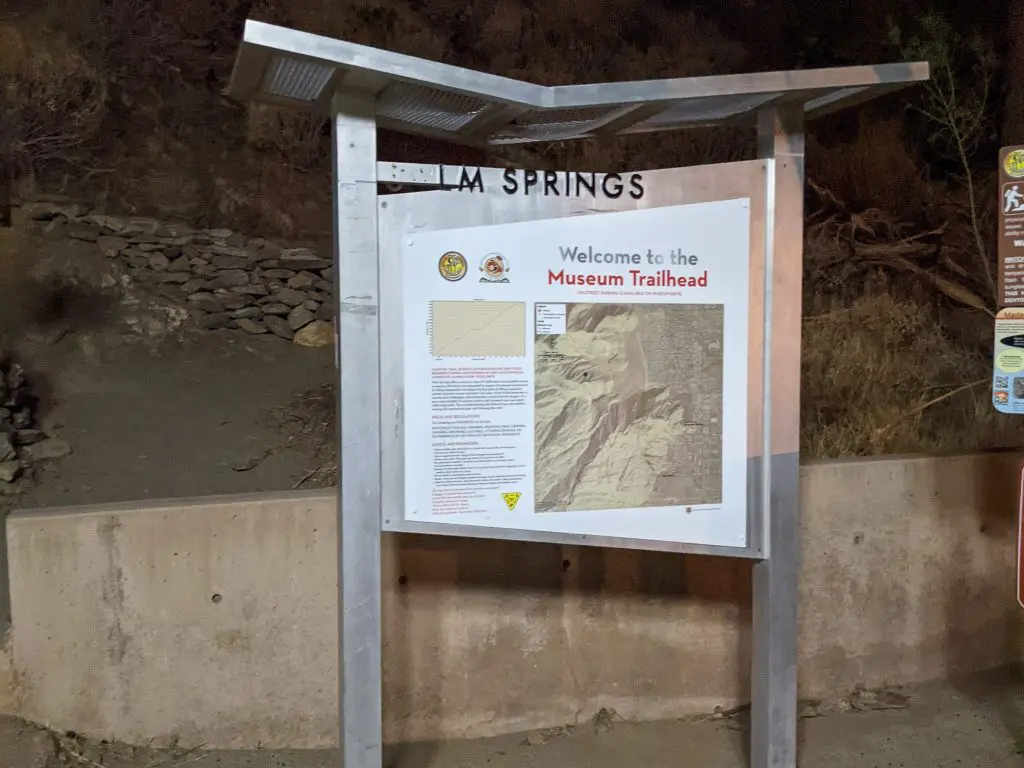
214,620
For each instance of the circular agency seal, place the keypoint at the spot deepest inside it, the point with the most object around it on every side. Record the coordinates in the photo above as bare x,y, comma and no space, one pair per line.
1014,164
452,266
495,268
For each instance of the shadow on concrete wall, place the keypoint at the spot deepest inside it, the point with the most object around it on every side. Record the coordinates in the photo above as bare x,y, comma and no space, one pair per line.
591,582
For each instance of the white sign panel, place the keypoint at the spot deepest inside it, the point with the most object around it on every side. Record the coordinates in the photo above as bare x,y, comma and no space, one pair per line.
582,375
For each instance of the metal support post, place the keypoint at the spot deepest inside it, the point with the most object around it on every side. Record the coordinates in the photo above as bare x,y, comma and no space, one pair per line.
774,668
359,556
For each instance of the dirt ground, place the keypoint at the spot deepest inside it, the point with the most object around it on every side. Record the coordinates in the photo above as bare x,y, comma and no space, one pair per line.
976,724
187,415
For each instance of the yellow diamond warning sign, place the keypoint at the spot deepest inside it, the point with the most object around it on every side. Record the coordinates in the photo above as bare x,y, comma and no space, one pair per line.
511,499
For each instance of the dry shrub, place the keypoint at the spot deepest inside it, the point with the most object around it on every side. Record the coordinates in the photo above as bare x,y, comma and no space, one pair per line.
18,249
311,421
897,338
881,376
877,166
586,41
293,137
392,24
53,99
866,366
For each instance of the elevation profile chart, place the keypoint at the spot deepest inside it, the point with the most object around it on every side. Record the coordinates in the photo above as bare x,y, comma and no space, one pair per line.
587,376
477,328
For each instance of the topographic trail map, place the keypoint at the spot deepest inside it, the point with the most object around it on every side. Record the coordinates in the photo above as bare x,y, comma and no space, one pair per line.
628,408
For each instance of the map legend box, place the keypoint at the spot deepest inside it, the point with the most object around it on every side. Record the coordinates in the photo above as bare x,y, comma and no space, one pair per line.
550,319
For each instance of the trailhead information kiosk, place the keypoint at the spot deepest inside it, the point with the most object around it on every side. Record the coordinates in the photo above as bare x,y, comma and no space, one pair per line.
587,359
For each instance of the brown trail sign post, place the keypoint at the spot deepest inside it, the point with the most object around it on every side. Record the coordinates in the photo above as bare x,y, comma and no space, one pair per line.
1010,238
1008,348
506,334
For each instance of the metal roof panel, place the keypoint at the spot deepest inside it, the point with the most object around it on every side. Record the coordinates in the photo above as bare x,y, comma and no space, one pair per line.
277,65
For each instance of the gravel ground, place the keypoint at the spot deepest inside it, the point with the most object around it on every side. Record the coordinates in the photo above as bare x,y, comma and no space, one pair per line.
974,724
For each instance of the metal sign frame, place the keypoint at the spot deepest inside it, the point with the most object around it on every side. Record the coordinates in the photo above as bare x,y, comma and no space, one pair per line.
370,404
362,89
407,214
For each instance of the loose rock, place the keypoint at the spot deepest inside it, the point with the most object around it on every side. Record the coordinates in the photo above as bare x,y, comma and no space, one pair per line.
316,334
230,278
302,281
19,441
158,262
138,226
10,471
251,326
48,450
106,223
28,436
42,211
6,448
230,262
275,309
179,278
299,317
111,246
214,321
279,327
22,417
234,301
207,302
83,232
290,296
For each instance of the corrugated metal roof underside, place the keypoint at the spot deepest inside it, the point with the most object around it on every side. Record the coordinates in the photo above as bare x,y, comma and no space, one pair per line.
283,66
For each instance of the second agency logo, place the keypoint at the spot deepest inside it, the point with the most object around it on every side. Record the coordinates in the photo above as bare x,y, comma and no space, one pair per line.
495,268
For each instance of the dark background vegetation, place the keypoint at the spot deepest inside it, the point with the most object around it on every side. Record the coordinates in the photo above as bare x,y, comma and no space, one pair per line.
118,104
